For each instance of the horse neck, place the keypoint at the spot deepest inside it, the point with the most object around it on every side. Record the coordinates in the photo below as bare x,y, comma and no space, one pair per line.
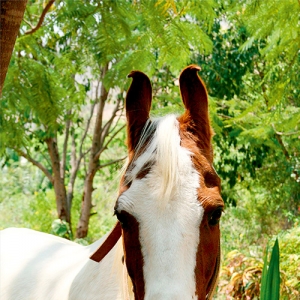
113,263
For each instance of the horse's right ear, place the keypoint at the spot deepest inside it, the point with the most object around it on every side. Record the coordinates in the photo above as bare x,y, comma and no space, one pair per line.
195,99
138,105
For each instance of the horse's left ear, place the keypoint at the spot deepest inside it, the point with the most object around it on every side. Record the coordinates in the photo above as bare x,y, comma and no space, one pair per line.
138,105
195,99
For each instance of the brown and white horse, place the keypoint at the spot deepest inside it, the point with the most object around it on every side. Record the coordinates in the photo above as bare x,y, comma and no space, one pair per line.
168,208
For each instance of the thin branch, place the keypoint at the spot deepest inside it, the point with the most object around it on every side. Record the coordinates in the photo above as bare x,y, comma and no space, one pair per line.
96,157
28,23
85,153
87,127
74,168
284,150
73,153
108,123
93,12
263,87
285,133
65,146
105,129
85,166
286,153
117,122
96,140
103,98
224,116
36,163
42,17
110,163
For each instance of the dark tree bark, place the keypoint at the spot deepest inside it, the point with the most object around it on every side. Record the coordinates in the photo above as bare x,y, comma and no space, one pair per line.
86,205
63,210
12,13
99,144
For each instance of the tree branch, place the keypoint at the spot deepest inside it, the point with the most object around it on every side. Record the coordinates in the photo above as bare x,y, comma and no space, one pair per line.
285,133
42,17
74,168
110,163
117,122
28,23
263,86
284,150
96,140
86,128
106,127
286,153
96,157
65,147
36,163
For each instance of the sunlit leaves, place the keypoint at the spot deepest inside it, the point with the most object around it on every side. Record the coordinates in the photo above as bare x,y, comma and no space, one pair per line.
275,21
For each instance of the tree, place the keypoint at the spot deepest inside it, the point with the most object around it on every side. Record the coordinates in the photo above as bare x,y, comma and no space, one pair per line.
11,13
80,58
253,80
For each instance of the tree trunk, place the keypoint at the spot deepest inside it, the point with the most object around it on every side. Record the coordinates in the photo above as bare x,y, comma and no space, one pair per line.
11,16
86,205
59,186
74,169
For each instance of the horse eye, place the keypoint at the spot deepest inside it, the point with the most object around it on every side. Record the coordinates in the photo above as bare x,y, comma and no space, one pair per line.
121,217
215,217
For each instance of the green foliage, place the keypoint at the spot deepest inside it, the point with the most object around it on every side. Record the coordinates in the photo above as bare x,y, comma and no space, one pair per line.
25,204
270,280
255,113
289,262
40,211
280,20
61,228
240,276
51,79
248,52
242,270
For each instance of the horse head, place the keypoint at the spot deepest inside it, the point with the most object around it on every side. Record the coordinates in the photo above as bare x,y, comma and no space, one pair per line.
169,204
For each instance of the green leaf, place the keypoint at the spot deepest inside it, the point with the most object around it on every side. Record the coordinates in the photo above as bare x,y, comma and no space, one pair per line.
264,276
271,281
59,227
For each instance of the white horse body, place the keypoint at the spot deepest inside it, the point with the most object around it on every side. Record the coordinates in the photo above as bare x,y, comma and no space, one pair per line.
36,265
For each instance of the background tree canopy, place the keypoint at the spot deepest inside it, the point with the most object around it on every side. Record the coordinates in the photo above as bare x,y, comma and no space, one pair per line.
62,125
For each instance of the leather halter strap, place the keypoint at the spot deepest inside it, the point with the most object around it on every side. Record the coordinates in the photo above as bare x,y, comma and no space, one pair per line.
108,244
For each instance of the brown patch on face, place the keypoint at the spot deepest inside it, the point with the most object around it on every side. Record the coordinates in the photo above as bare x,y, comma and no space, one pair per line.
133,155
132,253
207,257
145,170
209,196
209,246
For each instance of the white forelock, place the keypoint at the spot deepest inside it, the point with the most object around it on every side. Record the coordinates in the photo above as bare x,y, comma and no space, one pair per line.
162,138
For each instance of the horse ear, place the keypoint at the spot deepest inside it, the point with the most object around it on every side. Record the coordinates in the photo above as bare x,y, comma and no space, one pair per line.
195,99
138,105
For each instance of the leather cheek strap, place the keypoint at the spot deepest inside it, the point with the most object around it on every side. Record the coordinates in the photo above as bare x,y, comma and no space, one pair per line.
108,244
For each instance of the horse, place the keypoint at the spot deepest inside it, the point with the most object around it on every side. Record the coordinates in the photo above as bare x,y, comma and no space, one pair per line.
166,241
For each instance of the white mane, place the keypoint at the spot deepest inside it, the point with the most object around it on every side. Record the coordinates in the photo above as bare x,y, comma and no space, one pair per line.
161,136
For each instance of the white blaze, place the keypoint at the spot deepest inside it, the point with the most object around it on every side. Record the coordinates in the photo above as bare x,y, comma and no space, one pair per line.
169,221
